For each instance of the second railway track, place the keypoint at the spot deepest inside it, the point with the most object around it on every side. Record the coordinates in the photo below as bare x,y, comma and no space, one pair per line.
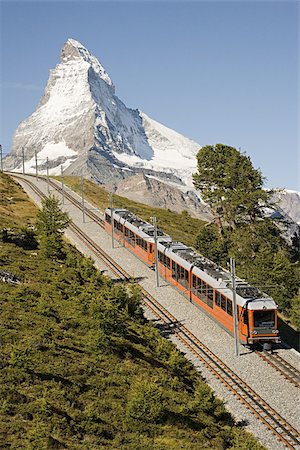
286,433
282,366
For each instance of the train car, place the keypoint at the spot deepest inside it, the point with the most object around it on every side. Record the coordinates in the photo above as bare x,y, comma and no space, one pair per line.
134,234
203,282
208,286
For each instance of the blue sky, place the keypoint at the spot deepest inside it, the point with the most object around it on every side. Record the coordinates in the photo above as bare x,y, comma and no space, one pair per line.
215,71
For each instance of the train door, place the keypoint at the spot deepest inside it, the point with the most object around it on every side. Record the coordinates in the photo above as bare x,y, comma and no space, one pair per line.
243,324
150,253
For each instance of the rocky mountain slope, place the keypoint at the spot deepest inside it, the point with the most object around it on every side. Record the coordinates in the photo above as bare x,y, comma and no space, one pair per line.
289,202
152,191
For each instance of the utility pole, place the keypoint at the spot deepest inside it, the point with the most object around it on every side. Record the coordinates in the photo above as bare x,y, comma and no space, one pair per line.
82,197
23,160
112,216
235,313
48,183
62,185
1,160
156,250
36,165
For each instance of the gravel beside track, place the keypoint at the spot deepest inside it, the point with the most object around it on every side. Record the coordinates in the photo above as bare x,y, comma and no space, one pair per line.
278,392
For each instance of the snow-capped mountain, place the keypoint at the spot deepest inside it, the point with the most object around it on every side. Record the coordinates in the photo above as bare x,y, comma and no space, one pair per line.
81,124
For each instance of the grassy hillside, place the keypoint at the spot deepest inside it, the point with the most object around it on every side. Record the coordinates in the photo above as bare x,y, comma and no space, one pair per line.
15,209
82,369
172,223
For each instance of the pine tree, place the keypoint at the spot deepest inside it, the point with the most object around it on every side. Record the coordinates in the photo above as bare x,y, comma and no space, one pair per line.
51,224
230,185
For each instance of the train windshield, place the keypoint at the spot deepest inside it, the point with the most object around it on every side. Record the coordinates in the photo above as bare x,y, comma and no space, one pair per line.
264,318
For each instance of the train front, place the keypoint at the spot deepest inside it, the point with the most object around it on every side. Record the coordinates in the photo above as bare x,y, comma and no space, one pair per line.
262,323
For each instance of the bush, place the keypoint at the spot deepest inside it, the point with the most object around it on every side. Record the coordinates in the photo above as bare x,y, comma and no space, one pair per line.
145,402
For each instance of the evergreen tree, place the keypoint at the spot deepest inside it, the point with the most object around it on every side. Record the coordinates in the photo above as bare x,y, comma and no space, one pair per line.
211,244
51,224
230,185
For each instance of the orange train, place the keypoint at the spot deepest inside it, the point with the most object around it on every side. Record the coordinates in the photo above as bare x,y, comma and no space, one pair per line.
203,282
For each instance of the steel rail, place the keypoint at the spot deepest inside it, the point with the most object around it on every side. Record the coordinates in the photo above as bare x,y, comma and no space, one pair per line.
67,195
266,414
290,373
77,203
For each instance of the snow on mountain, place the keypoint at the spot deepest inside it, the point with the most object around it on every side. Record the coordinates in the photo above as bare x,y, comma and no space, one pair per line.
80,123
172,152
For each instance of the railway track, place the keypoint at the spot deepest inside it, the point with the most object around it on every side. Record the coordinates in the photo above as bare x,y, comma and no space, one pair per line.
77,203
282,366
284,432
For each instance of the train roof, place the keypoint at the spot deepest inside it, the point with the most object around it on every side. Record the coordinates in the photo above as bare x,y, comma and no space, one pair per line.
216,276
146,229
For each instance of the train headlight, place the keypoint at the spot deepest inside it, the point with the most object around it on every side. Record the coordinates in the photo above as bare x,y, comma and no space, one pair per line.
254,332
274,331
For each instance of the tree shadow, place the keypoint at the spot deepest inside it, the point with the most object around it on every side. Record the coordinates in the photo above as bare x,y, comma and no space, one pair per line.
25,239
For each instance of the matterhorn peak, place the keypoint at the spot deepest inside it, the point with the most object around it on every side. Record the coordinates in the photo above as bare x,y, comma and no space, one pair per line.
73,50
80,123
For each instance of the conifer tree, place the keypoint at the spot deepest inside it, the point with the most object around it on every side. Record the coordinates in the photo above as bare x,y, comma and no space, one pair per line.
51,224
229,184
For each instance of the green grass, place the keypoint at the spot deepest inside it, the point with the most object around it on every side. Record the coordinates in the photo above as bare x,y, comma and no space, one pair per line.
82,369
15,209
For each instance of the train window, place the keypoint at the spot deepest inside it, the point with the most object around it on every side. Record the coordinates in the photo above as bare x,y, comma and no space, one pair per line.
178,273
218,299
229,307
185,280
174,270
127,234
264,318
132,238
197,286
194,284
210,296
223,302
151,248
202,293
182,275
107,218
168,263
118,227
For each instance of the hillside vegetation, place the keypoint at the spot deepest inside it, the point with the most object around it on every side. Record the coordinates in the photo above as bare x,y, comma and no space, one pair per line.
262,256
82,369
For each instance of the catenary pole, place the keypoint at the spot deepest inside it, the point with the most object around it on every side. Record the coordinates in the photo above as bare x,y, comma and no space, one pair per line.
1,159
235,313
48,182
62,185
82,197
156,250
23,161
112,217
36,165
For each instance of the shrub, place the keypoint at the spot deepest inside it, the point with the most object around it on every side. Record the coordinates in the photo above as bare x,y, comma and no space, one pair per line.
145,402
